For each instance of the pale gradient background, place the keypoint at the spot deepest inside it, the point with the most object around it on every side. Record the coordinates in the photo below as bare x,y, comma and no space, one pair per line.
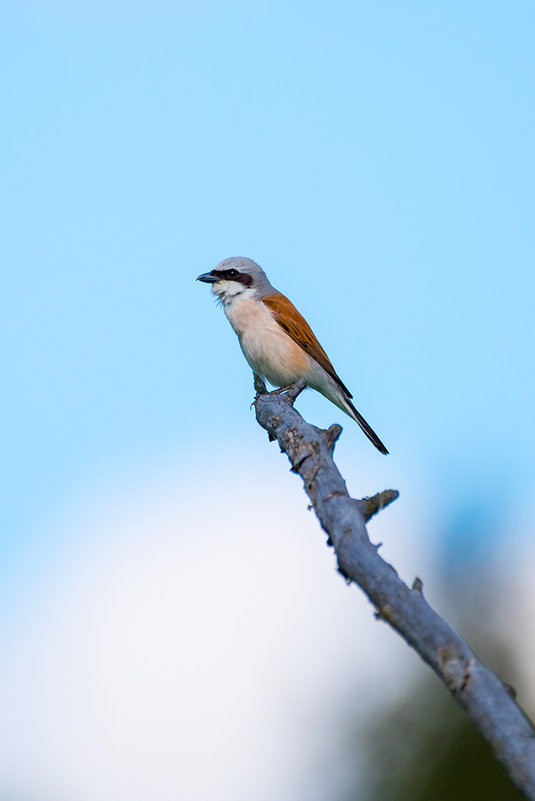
171,623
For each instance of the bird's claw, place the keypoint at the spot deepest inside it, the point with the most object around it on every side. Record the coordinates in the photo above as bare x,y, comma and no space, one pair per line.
280,390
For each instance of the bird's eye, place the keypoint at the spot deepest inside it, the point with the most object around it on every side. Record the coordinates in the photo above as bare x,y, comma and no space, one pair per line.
232,273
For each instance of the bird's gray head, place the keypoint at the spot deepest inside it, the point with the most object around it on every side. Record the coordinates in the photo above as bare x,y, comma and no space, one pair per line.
238,276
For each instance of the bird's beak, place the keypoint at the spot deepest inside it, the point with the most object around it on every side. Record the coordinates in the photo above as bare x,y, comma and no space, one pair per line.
208,278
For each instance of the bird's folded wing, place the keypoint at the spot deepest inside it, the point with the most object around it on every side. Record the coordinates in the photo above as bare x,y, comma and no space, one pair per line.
299,330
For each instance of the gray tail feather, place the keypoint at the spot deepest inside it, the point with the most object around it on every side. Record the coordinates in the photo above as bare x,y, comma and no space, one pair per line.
368,430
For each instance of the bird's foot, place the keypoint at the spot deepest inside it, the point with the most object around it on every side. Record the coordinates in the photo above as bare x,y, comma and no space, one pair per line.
290,392
280,390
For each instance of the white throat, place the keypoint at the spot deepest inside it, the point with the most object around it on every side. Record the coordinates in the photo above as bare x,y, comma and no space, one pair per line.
229,292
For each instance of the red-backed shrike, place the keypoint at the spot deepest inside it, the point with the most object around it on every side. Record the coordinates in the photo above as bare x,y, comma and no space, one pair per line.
276,340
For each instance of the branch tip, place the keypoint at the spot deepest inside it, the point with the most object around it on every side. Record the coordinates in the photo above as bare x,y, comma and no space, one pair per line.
377,502
331,435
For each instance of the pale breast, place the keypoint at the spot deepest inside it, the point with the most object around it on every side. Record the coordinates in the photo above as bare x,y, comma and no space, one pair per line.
270,352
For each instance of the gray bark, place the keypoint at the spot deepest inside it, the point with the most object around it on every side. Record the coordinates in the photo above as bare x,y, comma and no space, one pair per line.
478,691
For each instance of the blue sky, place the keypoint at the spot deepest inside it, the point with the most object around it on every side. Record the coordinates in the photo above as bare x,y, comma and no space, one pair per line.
376,158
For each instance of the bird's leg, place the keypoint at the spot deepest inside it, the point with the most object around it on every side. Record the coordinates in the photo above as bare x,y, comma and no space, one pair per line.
259,385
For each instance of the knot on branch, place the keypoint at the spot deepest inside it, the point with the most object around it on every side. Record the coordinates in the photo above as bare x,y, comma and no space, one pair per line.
386,613
456,669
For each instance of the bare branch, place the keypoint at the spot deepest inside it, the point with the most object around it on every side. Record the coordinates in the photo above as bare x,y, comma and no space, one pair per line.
482,695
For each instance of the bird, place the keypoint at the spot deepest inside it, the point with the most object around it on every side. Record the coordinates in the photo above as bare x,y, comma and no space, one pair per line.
276,340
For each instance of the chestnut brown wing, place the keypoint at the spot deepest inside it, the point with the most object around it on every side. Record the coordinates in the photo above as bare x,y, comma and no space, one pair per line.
299,330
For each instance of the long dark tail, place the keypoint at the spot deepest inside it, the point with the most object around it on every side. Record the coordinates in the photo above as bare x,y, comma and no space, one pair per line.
368,430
